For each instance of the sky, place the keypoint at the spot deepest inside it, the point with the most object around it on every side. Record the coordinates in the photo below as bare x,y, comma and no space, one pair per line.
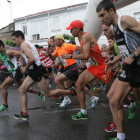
21,8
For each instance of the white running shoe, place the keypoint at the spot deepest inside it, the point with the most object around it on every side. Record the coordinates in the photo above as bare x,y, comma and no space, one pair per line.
94,102
65,103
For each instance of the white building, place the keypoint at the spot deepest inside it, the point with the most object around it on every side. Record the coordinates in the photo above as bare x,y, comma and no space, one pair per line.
40,26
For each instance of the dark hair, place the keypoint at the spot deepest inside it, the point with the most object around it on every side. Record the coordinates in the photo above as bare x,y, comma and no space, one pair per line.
106,5
37,46
18,33
1,43
72,42
52,37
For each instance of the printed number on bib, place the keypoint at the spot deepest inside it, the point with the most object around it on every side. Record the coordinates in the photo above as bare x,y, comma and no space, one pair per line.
91,62
64,62
7,66
124,51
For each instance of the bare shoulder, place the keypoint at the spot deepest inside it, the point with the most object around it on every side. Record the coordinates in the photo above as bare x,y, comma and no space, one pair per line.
25,46
87,37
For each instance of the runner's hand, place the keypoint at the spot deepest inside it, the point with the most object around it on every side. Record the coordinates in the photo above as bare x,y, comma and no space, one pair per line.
106,55
65,56
23,69
55,64
109,66
128,61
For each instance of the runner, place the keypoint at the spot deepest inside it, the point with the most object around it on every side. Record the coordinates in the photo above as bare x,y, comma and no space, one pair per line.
35,73
8,58
127,36
97,66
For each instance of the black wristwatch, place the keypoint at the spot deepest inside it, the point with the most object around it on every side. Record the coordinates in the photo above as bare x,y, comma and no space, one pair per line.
70,56
111,57
133,55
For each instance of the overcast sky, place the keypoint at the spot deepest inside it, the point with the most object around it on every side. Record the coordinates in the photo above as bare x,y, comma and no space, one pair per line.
25,7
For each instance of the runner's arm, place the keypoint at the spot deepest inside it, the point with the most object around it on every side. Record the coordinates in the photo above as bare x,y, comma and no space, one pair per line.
53,57
134,26
27,51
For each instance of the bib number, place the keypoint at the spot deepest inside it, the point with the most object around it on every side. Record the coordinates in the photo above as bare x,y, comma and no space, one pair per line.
91,62
64,62
123,51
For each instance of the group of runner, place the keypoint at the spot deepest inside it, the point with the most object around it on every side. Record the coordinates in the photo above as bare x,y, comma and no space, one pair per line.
124,45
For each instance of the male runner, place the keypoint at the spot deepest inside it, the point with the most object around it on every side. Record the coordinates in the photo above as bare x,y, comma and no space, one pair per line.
127,36
35,73
8,58
97,66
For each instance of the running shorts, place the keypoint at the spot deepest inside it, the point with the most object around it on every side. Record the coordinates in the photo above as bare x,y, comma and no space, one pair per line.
130,74
37,73
99,72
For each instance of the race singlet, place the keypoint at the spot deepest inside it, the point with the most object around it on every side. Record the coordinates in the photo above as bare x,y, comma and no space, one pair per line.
124,52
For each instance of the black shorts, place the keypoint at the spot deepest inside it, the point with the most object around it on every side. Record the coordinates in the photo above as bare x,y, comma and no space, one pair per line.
130,74
16,74
37,73
70,72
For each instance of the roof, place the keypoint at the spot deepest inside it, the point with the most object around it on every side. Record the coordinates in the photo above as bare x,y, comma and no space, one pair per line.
48,11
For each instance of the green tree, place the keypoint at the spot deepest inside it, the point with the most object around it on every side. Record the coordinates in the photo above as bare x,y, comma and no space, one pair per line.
68,37
10,43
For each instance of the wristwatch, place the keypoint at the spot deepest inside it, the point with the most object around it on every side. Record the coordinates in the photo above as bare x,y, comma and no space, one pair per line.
70,56
133,55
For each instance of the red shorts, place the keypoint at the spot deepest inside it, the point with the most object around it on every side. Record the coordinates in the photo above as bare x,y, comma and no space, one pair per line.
99,72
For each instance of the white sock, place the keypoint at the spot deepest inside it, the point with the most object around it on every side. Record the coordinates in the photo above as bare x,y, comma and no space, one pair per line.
84,111
131,105
66,98
92,98
121,136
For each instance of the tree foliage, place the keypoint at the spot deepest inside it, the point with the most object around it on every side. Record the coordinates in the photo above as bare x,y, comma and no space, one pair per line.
10,43
68,37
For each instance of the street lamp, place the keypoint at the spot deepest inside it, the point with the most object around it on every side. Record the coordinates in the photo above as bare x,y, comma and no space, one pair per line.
11,13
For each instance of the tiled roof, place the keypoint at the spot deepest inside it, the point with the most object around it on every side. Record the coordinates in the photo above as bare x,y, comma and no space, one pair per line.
39,13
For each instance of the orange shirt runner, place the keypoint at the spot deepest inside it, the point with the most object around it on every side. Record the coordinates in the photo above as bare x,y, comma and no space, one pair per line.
65,48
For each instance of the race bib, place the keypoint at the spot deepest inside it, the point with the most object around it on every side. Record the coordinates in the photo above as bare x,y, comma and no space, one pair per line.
64,62
91,62
123,51
7,66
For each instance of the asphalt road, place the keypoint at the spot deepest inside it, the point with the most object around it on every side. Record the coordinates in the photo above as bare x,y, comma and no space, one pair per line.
49,122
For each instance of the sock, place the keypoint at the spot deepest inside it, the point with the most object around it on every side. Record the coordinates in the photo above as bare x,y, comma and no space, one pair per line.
92,98
24,113
84,111
66,98
121,136
5,105
130,106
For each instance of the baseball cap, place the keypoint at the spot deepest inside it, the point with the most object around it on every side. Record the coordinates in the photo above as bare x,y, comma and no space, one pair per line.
59,36
76,24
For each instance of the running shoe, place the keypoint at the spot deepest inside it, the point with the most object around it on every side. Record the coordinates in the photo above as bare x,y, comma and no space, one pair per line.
94,102
21,116
96,90
3,108
65,103
125,106
101,86
131,114
80,116
111,128
104,88
42,96
73,89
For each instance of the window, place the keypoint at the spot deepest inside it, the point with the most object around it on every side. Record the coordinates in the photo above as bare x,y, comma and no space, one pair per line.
56,25
24,29
36,36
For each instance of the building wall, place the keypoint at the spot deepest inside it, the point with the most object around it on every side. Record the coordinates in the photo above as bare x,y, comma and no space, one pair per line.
50,24
5,33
